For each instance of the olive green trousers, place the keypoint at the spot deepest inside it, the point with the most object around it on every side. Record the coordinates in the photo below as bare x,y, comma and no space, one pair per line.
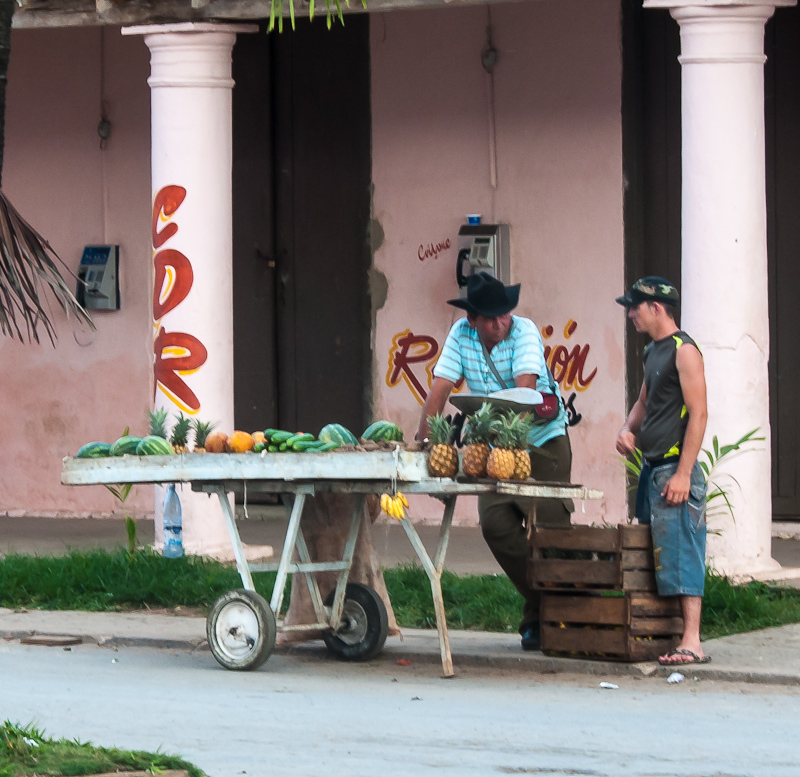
504,520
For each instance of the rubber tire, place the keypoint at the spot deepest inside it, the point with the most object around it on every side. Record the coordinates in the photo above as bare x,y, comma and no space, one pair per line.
364,620
255,614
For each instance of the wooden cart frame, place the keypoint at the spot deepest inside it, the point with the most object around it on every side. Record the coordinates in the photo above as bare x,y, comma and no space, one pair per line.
302,475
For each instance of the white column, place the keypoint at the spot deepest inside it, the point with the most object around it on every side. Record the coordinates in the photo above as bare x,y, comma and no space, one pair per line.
724,259
191,86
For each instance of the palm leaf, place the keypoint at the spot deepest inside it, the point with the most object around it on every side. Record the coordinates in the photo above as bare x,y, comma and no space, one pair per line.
28,267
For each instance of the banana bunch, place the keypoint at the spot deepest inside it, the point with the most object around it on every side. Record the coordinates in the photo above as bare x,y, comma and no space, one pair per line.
394,505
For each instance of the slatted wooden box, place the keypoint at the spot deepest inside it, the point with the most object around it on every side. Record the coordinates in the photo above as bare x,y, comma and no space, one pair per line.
623,627
618,558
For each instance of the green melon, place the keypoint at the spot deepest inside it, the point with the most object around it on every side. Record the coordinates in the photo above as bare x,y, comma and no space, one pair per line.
94,450
338,434
152,445
125,445
383,430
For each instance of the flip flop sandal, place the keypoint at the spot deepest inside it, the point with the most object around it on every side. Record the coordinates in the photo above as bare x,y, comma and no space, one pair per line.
692,658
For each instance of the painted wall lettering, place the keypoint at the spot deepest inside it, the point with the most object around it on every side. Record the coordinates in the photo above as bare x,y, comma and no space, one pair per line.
175,353
432,250
413,357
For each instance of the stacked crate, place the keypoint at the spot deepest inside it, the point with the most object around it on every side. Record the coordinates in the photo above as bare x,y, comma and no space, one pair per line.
599,596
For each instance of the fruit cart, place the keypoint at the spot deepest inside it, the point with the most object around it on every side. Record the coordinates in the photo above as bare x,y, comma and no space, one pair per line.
241,625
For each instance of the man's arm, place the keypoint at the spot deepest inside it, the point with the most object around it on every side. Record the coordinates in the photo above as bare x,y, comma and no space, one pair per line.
693,385
526,381
626,439
437,397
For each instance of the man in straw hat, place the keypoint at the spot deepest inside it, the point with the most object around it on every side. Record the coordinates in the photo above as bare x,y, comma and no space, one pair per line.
515,346
668,421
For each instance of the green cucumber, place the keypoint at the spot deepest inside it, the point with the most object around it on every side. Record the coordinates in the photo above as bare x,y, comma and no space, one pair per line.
283,446
258,447
273,448
329,446
307,445
279,437
300,437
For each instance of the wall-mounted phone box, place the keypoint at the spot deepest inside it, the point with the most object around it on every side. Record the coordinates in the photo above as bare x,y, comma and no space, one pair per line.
98,278
483,247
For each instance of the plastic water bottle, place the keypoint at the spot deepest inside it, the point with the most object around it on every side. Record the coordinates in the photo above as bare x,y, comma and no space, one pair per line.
173,526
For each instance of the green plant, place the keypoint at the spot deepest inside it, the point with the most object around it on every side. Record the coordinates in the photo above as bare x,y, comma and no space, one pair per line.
716,493
25,750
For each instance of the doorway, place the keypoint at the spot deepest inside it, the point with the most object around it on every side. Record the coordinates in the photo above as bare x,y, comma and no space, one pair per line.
301,202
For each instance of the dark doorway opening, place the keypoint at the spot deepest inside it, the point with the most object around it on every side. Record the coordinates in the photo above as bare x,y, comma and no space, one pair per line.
301,199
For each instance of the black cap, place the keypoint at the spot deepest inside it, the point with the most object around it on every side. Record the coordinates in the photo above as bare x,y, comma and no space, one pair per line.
486,296
650,289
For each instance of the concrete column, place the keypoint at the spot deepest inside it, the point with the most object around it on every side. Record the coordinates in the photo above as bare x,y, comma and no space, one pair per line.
191,86
724,259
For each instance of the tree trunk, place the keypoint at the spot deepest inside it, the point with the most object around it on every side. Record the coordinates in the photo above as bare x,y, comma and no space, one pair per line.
325,525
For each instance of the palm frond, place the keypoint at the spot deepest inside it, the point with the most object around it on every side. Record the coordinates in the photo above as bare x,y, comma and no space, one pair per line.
29,267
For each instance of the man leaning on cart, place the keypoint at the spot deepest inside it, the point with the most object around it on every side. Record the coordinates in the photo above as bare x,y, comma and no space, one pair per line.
515,346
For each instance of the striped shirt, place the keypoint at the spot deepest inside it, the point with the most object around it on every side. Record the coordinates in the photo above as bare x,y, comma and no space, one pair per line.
521,353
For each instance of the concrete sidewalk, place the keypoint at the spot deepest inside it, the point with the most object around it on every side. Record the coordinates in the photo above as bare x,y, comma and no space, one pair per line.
769,656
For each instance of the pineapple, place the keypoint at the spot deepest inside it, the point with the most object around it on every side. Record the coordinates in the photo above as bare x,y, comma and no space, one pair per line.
443,458
477,436
503,460
201,431
158,423
522,458
179,432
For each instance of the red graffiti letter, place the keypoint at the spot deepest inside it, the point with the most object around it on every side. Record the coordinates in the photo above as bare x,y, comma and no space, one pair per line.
166,369
184,277
167,201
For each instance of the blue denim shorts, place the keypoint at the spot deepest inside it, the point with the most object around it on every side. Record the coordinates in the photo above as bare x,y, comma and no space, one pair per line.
679,531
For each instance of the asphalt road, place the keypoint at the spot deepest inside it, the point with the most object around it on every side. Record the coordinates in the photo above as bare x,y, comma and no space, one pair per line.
319,717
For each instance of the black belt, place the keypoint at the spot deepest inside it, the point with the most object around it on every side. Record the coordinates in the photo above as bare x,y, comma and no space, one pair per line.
661,460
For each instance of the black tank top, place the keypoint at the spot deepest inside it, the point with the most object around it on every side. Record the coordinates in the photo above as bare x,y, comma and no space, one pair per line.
666,417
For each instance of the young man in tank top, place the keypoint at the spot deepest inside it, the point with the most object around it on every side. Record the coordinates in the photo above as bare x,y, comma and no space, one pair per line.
668,421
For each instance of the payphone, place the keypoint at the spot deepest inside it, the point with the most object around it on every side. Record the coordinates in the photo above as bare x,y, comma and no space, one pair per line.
483,247
98,278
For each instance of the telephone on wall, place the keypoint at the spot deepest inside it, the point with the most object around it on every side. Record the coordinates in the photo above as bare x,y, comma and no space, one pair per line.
483,247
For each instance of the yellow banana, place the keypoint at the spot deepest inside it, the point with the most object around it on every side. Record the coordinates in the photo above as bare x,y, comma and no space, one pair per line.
385,501
399,510
403,499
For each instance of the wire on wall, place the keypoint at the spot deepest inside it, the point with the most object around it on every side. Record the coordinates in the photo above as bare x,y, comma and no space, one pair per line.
489,60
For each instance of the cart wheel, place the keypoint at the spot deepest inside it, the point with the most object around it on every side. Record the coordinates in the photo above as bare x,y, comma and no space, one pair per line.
364,625
241,630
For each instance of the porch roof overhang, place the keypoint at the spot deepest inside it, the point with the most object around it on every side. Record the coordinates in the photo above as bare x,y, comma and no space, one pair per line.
92,13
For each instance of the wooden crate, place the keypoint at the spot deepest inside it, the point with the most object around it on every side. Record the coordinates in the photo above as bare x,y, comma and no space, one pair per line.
618,558
624,627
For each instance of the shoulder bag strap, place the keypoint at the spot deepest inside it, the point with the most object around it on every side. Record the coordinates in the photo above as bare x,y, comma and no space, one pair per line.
492,366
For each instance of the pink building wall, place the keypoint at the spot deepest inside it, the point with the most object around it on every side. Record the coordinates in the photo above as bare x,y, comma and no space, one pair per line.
558,185
558,179
74,193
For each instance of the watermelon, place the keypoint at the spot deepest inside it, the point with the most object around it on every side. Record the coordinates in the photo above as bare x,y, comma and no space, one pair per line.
383,430
125,445
153,446
94,450
338,434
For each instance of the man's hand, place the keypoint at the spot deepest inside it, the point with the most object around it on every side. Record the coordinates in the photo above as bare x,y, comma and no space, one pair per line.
676,489
626,441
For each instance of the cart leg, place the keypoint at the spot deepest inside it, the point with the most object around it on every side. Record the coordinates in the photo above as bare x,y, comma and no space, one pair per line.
349,552
434,572
236,542
288,547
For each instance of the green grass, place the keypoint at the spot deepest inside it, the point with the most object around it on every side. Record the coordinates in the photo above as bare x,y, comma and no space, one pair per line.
25,750
97,581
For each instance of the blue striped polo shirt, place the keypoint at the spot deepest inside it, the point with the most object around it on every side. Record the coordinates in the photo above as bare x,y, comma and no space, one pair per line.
521,353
